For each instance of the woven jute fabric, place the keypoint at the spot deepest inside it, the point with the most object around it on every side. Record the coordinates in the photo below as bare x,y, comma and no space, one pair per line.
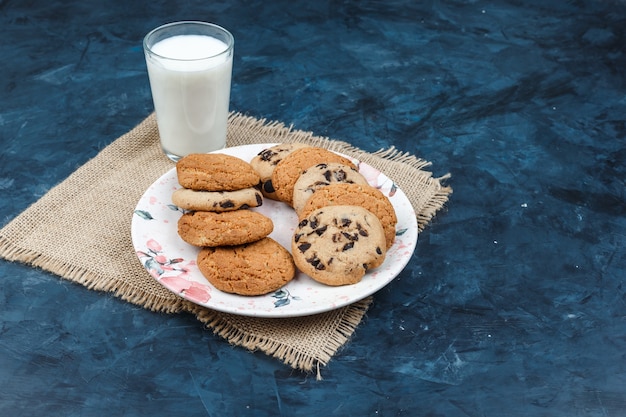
80,230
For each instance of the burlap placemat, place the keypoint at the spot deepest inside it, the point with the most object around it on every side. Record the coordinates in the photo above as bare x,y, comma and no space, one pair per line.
80,230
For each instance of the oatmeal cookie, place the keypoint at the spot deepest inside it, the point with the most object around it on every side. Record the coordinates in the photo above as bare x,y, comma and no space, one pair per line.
252,269
215,172
204,228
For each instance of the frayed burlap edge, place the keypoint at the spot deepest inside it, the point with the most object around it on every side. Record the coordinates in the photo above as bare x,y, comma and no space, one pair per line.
295,356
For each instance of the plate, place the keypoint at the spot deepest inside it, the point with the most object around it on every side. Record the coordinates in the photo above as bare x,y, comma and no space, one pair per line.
172,262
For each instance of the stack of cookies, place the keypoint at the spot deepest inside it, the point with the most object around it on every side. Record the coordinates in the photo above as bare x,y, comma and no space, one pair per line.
237,254
345,225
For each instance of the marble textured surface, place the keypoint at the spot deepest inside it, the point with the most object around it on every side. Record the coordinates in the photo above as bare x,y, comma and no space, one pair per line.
514,303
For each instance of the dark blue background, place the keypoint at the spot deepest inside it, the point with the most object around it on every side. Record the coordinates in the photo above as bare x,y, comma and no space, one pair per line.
514,302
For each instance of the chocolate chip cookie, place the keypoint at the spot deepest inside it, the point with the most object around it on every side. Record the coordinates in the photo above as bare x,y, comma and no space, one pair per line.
217,201
265,162
337,245
364,196
321,175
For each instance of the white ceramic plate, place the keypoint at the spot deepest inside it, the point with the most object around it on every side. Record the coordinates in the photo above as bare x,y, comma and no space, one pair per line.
172,262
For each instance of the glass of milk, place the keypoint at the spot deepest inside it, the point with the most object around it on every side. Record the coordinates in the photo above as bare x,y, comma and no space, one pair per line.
189,67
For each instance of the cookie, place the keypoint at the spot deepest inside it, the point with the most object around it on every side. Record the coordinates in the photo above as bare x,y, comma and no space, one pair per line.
265,162
204,228
217,201
287,171
322,175
215,172
364,196
253,269
337,245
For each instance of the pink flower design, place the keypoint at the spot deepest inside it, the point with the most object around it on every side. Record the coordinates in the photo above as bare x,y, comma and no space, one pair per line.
193,291
157,263
154,245
172,274
176,283
160,259
198,293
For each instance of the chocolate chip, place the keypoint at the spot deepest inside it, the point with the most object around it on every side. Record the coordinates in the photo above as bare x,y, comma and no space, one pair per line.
227,204
317,263
266,154
268,187
328,175
379,251
244,206
321,230
297,237
345,222
340,175
362,231
303,223
350,237
314,223
304,247
259,199
347,246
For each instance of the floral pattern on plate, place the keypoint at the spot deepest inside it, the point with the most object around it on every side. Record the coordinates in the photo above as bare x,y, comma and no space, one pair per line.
172,262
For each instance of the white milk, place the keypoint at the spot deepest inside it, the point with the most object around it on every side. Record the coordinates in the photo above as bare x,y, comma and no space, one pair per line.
191,92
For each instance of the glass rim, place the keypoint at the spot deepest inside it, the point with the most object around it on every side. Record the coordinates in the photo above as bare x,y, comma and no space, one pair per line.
230,40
